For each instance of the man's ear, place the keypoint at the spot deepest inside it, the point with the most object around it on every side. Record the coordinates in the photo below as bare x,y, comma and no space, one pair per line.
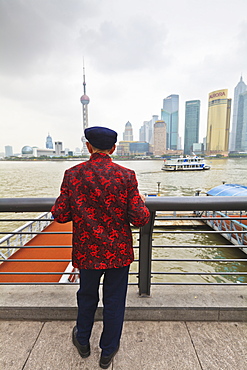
112,149
89,147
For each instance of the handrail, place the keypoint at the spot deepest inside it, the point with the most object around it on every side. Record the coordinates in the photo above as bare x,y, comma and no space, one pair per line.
156,204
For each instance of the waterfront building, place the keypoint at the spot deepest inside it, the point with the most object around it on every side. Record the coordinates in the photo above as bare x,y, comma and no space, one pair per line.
59,148
8,151
128,132
241,129
160,136
219,110
169,114
146,130
191,129
123,148
239,89
198,148
27,151
139,148
49,143
84,101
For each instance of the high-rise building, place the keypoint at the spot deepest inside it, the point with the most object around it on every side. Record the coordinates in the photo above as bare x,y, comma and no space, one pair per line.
239,89
191,128
8,151
84,101
128,132
59,148
49,143
146,130
219,110
160,137
169,114
241,131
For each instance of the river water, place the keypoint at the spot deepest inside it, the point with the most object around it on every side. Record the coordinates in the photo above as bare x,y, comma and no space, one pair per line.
43,179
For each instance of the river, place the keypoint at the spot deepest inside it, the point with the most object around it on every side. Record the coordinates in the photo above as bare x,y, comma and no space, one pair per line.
43,179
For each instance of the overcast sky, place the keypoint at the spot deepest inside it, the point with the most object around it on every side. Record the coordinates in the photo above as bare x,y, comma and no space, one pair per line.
136,53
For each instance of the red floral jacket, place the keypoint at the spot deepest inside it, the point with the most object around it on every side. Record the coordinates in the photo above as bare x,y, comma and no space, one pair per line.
102,199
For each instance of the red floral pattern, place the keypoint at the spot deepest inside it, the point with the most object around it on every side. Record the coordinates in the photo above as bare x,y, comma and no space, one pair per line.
102,199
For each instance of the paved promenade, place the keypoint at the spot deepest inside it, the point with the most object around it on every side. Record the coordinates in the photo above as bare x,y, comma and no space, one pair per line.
145,345
177,328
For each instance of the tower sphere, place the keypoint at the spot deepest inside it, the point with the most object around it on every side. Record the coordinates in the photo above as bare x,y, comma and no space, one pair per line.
85,99
27,150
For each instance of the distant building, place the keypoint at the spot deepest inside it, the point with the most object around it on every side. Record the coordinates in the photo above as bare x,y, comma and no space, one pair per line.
59,148
27,151
49,143
191,129
160,136
139,148
8,151
128,132
146,130
219,110
169,114
84,101
198,148
123,148
239,89
241,130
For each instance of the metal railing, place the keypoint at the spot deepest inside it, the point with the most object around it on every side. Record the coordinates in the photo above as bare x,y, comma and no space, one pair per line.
162,209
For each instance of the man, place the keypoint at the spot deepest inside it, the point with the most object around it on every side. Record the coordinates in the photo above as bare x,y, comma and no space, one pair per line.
102,199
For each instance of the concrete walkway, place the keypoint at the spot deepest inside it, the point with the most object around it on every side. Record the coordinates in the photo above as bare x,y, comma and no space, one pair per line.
145,345
177,328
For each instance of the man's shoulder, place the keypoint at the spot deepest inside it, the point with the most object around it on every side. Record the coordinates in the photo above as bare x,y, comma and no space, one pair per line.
76,168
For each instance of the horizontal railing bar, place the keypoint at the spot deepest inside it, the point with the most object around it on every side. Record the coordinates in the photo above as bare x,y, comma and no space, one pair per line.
237,246
185,203
199,260
199,232
169,283
199,273
153,260
200,246
165,218
173,283
155,232
47,273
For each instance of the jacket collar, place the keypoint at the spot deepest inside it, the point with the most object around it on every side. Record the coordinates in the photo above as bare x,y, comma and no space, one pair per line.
100,157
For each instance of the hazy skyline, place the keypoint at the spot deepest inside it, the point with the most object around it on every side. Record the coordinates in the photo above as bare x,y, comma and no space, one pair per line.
136,54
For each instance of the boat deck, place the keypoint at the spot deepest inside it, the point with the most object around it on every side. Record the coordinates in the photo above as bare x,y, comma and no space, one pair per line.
42,239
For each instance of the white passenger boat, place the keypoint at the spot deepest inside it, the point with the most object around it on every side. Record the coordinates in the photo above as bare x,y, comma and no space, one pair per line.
185,164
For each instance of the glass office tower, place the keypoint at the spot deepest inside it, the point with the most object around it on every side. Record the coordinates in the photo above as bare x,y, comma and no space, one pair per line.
169,114
239,89
191,129
219,110
241,131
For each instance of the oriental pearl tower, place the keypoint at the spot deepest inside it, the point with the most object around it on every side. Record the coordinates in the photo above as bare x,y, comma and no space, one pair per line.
85,101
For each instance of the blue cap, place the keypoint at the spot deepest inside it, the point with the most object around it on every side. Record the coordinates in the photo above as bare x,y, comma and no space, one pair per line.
101,137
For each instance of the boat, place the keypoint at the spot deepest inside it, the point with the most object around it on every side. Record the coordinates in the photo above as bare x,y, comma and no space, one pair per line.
188,163
232,224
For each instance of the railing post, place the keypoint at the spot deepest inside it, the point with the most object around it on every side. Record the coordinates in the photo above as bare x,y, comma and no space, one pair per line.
145,256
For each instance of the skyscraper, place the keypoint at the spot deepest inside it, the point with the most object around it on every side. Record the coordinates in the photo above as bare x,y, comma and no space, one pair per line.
191,129
84,101
241,131
219,110
169,114
146,130
239,89
49,143
128,132
159,137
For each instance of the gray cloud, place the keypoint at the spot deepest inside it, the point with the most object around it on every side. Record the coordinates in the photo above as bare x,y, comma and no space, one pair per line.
135,44
33,31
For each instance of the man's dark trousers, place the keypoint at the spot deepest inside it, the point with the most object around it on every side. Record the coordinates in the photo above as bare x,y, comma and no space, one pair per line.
114,295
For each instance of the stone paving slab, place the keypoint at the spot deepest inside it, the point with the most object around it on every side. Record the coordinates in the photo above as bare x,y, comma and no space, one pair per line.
144,346
220,346
17,339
